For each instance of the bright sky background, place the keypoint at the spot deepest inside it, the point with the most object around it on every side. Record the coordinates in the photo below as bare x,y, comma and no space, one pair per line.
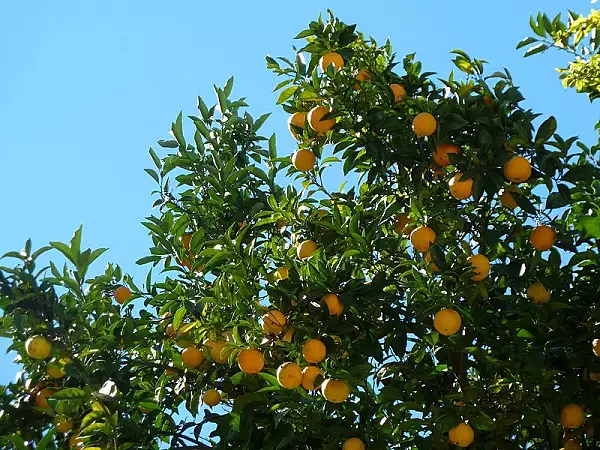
87,87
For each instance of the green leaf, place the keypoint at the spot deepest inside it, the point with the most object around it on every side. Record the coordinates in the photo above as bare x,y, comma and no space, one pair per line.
535,49
168,143
286,94
526,41
91,417
482,421
76,241
545,131
70,394
177,130
47,439
65,250
153,174
179,314
155,158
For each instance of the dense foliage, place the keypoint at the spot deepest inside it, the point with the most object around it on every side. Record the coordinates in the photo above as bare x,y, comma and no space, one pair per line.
463,307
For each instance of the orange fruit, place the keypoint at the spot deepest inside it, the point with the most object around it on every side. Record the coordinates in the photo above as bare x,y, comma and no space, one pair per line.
211,398
170,372
122,294
447,321
398,91
572,444
273,322
41,398
421,238
424,124
460,188
362,76
287,336
538,293
440,154
331,58
218,351
314,351
481,267
75,442
304,160
297,119
191,357
309,377
517,169
306,249
596,347
461,435
315,121
186,240
38,347
572,416
400,226
353,444
335,306
595,376
542,237
289,375
335,391
432,265
507,200
251,360
63,425
488,100
282,273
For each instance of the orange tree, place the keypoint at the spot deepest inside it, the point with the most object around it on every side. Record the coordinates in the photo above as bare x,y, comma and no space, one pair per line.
445,296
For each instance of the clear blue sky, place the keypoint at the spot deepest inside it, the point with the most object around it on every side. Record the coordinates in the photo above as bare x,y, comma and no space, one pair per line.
86,87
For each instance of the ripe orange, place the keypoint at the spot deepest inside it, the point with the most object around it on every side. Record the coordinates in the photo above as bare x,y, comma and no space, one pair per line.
461,435
287,336
75,442
38,347
507,200
289,375
424,124
595,376
538,293
192,357
314,119
542,237
517,169
440,154
306,249
398,91
122,294
572,416
596,347
481,267
251,360
170,372
314,351
63,424
273,322
447,321
41,398
460,188
304,160
335,391
335,306
353,444
309,376
211,398
218,351
400,226
298,119
432,265
331,58
572,444
421,238
361,77
282,273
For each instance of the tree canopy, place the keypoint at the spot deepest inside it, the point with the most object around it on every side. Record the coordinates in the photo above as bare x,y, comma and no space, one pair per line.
444,295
